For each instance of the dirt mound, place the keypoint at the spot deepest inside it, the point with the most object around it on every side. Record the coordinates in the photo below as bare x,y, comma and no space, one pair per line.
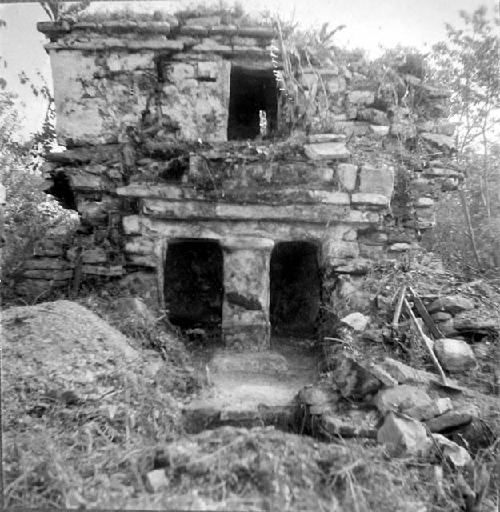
76,396
62,340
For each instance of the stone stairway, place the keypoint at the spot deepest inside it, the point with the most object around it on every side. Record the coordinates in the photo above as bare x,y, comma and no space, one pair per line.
253,388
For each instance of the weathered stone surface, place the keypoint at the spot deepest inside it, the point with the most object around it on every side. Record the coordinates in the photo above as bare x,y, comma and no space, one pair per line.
334,250
368,199
373,116
402,435
327,151
325,137
93,256
411,400
103,270
352,127
440,140
451,304
206,209
143,260
387,380
157,480
256,362
361,97
475,435
48,274
347,175
47,264
405,374
424,202
353,379
452,419
49,247
380,131
357,266
400,247
356,321
348,425
454,355
452,452
207,70
439,172
441,316
377,181
246,273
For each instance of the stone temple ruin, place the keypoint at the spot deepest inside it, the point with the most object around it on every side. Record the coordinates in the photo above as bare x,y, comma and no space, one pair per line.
196,186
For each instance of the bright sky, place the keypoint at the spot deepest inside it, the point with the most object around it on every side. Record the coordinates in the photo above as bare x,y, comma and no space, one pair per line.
370,24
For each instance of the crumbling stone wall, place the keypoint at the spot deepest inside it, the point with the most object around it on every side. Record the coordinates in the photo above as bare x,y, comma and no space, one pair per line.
143,108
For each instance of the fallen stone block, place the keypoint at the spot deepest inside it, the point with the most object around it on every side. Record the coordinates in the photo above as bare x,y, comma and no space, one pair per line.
474,436
452,452
356,321
453,418
410,400
157,479
373,116
349,425
454,355
442,141
354,379
405,374
403,435
441,316
451,304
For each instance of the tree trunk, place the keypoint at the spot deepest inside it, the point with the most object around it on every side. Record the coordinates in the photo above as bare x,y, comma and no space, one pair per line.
470,229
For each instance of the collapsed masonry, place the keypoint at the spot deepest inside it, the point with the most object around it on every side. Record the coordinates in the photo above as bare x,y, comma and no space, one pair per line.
194,184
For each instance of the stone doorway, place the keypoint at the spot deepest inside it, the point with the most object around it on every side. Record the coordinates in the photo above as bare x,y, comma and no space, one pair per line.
252,92
194,284
295,289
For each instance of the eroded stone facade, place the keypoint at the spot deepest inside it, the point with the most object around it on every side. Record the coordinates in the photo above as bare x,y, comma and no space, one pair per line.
145,110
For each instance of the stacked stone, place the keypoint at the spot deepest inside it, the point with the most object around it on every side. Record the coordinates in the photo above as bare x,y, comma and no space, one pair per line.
121,65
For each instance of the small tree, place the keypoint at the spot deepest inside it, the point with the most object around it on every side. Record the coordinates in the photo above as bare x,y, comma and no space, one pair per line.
468,63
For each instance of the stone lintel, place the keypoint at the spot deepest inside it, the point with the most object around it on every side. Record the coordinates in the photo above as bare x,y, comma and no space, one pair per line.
219,228
315,213
115,43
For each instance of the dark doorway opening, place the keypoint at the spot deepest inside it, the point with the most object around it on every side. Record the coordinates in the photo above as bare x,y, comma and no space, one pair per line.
194,284
252,92
295,288
61,190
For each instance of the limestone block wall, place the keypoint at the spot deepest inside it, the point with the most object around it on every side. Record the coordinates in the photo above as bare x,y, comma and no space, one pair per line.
156,75
144,110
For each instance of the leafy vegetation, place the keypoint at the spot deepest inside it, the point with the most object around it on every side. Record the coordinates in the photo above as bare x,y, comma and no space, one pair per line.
467,62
